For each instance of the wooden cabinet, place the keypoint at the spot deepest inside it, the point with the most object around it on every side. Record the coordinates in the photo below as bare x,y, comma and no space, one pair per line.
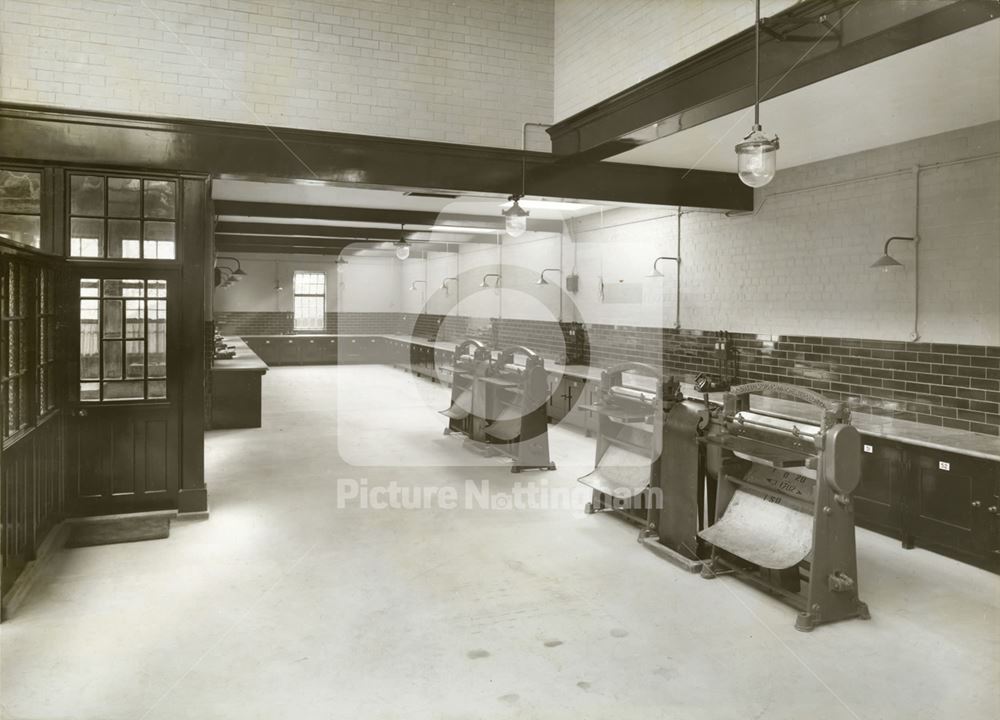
316,350
941,501
567,396
954,505
878,499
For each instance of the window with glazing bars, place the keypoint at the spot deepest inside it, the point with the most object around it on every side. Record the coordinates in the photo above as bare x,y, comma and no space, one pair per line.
15,334
45,324
123,339
122,217
310,300
21,207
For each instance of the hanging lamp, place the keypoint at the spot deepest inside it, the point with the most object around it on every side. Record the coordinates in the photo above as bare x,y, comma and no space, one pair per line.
402,247
757,154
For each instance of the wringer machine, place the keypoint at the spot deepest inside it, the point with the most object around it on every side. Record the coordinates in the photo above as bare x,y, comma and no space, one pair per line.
515,397
471,362
499,404
785,520
647,462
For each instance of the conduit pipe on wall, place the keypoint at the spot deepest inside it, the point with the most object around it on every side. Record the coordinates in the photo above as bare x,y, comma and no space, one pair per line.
915,170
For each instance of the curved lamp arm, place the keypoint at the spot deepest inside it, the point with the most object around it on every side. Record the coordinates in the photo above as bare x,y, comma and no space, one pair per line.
541,278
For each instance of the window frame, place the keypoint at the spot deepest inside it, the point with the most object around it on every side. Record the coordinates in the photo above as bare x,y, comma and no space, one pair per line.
296,295
106,218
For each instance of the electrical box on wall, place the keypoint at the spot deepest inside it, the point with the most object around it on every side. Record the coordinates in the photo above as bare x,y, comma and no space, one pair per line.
572,283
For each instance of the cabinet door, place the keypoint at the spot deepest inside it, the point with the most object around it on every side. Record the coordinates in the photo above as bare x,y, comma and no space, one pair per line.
955,505
312,351
570,399
878,499
373,350
267,350
331,351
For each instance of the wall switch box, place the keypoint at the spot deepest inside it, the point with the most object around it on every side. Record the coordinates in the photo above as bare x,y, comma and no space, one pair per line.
572,283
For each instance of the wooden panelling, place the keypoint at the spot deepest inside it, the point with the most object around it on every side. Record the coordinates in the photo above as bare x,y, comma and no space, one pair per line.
32,499
126,462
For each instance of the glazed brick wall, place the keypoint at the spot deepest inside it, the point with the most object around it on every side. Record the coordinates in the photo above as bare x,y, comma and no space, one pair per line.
468,72
944,384
277,323
605,46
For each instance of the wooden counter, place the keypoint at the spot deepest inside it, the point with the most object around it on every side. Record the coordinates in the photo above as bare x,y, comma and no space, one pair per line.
236,388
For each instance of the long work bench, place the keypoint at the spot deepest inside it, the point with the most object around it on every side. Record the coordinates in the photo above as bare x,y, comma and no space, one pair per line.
236,388
932,487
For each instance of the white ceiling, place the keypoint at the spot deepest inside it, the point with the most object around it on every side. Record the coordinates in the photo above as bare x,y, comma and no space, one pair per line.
947,84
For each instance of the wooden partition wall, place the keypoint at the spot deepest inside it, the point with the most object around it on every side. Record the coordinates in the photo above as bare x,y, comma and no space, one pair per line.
102,347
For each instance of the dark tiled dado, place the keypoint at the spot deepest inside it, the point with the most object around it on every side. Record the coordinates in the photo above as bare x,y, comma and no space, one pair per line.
956,386
278,323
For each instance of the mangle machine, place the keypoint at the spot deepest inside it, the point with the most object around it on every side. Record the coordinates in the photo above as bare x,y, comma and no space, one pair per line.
784,515
472,359
515,391
647,465
498,401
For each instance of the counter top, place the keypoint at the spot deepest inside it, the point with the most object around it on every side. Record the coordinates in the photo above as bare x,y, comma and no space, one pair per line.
245,359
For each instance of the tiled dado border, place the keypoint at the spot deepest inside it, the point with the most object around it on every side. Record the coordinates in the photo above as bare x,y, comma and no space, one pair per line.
279,323
956,386
949,385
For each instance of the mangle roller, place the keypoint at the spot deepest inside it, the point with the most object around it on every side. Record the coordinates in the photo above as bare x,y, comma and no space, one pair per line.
784,515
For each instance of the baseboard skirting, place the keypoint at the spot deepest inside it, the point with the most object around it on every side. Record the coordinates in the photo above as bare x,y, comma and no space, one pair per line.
54,541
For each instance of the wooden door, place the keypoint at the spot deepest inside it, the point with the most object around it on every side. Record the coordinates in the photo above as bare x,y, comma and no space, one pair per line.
123,429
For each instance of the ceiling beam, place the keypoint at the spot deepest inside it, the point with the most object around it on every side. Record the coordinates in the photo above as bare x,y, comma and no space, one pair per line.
291,246
30,133
240,208
338,231
719,80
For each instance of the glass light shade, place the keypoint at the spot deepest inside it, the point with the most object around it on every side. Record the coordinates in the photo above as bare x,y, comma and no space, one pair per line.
515,220
757,158
402,250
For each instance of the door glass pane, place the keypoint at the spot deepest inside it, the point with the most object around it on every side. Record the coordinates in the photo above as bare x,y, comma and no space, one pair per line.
89,339
123,239
20,192
135,359
90,391
86,195
112,319
135,322
123,338
156,288
123,197
86,238
159,199
158,338
124,390
112,360
158,241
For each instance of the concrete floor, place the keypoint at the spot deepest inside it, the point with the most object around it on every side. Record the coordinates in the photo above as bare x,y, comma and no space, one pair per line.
283,605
